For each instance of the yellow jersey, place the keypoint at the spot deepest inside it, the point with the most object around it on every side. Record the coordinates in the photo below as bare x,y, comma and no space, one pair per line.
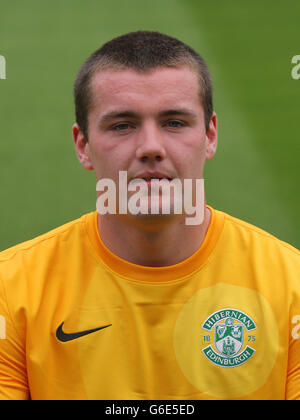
78,322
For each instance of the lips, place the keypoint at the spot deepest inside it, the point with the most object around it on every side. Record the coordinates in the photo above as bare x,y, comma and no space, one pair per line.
148,176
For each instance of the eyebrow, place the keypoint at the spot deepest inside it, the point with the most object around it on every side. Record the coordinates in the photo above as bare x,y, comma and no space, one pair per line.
131,114
180,111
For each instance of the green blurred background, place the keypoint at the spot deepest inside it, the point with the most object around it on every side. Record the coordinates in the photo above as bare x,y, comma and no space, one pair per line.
248,47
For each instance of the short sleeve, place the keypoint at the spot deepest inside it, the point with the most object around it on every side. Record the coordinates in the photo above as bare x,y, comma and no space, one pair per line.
13,374
293,377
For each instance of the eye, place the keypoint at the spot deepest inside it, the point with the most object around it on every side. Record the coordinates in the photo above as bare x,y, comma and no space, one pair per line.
175,124
121,127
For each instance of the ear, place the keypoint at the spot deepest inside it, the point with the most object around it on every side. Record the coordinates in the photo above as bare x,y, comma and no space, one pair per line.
211,138
82,148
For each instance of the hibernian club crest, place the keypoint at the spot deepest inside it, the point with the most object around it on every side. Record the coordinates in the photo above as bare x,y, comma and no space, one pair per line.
228,329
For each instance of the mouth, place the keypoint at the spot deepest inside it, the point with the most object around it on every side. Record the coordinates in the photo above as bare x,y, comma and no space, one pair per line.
150,176
152,180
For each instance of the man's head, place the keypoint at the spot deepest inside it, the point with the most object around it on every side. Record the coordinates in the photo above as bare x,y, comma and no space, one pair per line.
153,118
141,51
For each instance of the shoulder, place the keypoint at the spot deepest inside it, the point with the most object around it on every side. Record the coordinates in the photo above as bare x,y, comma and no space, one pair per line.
43,243
252,238
253,234
30,268
38,270
261,255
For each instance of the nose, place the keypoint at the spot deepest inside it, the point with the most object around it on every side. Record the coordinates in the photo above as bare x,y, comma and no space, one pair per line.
150,145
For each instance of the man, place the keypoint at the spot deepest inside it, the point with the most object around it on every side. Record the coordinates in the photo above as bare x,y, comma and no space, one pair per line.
125,305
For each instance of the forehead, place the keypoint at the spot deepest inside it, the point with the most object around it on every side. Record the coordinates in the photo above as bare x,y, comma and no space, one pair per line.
158,88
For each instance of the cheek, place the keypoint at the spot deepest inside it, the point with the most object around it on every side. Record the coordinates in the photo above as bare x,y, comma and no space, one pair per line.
189,157
109,159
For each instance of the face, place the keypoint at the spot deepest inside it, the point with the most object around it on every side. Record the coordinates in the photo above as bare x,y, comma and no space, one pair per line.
146,122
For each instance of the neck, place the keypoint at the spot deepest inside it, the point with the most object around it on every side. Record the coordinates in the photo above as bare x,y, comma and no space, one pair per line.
154,243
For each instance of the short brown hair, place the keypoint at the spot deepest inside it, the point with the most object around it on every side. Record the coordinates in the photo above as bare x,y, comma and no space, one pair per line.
140,51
